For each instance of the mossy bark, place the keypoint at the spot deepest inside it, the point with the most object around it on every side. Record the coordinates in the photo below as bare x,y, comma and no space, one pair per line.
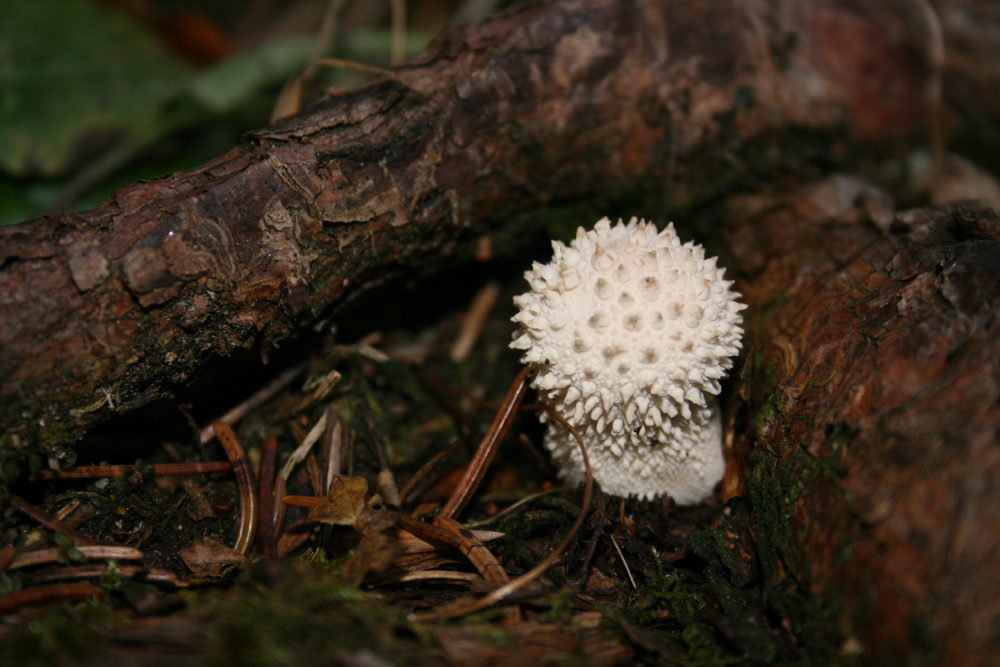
867,439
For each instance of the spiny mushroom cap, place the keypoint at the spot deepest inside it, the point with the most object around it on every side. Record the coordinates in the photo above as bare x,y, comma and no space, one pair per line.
626,334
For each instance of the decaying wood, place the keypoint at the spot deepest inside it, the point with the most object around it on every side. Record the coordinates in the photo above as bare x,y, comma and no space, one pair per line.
587,102
868,440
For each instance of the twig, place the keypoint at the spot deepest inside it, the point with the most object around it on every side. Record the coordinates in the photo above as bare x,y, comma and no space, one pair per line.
398,51
49,593
487,450
467,606
477,553
427,467
423,537
291,97
265,498
279,490
262,396
327,32
303,449
350,64
429,535
431,575
321,391
52,524
244,482
507,510
91,552
418,537
628,570
68,509
159,469
474,321
315,476
307,502
98,570
335,449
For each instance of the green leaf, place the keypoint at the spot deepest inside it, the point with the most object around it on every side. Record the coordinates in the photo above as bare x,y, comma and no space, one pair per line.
75,75
233,82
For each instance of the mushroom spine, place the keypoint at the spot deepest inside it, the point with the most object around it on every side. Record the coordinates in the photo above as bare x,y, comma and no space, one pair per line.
626,334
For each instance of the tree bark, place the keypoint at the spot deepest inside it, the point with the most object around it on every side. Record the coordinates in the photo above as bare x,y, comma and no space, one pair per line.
868,440
583,102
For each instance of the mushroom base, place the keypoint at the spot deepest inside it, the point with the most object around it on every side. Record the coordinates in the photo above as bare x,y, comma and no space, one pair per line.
686,468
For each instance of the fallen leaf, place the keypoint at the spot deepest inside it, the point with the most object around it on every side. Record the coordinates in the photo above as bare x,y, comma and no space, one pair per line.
208,557
344,502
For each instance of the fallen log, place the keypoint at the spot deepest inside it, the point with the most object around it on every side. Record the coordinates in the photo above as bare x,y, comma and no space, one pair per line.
565,105
867,442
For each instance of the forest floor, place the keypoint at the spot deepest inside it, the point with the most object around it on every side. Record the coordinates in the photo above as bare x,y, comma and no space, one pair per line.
642,582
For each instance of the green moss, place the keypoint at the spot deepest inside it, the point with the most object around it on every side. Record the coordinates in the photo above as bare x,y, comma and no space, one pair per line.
775,492
742,595
301,614
58,637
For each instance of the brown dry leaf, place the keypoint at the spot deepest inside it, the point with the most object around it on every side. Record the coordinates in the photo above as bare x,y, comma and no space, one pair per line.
208,557
344,503
375,553
375,517
377,549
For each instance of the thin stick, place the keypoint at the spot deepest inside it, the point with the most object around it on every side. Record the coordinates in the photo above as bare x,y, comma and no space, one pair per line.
52,524
68,509
323,390
426,532
467,606
628,570
307,502
474,321
159,469
487,449
252,403
520,503
244,482
335,449
265,497
280,510
327,32
92,552
432,575
477,553
302,450
398,52
350,64
427,467
98,570
49,593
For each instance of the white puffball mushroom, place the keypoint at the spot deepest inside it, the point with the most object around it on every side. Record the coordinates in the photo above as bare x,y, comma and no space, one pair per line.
626,334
